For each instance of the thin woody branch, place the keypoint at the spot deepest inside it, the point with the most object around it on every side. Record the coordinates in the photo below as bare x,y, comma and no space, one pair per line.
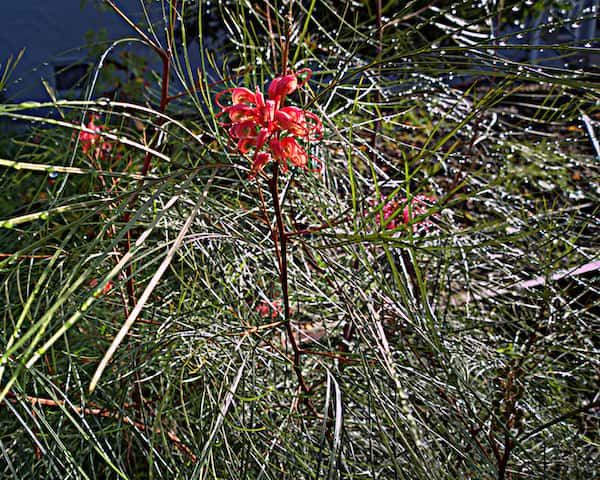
102,412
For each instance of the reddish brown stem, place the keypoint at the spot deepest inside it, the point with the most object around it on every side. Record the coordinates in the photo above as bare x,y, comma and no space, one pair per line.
286,43
165,57
281,252
325,226
271,36
505,456
103,412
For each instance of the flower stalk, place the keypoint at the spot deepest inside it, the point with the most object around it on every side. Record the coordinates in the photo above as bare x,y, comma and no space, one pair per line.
281,238
274,135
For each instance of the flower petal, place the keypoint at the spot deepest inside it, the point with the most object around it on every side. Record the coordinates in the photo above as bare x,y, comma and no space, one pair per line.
282,86
244,129
276,149
242,95
261,138
241,112
245,144
294,152
292,120
239,95
260,160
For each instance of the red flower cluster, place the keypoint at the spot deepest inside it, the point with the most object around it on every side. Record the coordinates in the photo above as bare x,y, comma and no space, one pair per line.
92,142
415,206
269,309
268,127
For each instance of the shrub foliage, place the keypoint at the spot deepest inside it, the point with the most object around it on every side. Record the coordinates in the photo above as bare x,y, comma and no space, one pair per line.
419,303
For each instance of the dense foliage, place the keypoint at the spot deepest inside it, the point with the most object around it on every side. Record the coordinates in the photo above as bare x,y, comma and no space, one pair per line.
406,287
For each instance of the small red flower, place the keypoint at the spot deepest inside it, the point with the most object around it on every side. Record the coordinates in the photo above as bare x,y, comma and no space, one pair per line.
269,309
266,126
412,208
92,142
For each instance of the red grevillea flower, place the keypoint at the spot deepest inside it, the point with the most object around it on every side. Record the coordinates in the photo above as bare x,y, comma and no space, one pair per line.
412,208
269,309
92,142
269,129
